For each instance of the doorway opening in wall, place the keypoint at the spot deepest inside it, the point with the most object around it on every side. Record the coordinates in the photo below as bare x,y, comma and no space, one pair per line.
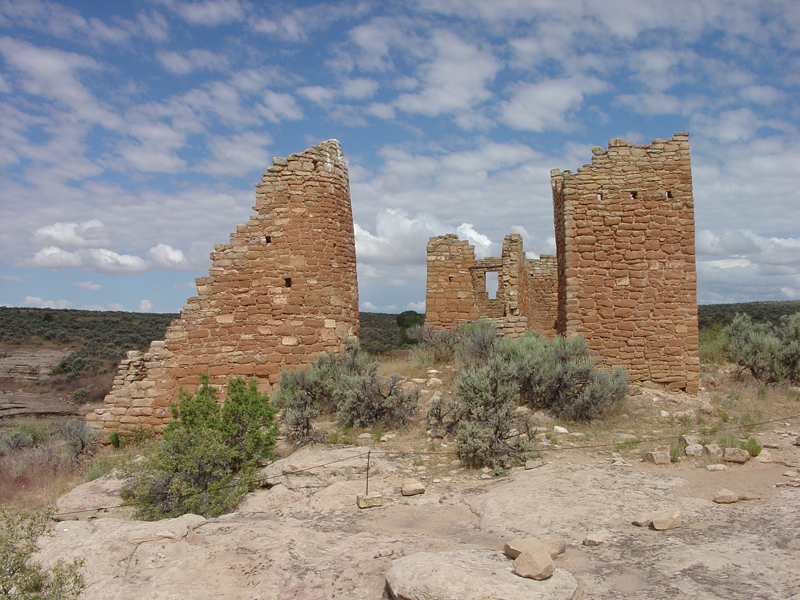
492,284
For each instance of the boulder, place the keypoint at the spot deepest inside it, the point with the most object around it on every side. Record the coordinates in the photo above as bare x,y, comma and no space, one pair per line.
593,539
725,496
642,520
714,450
434,383
560,430
471,575
412,487
667,520
514,548
717,467
370,500
736,455
535,564
688,439
695,450
658,457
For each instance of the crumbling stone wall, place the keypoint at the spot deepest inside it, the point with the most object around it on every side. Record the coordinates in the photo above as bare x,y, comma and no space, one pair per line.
626,259
456,291
283,290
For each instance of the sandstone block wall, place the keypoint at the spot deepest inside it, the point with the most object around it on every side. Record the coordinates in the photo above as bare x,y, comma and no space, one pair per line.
626,259
283,290
456,291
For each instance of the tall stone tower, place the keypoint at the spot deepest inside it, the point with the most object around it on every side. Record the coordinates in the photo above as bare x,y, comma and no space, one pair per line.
283,290
626,259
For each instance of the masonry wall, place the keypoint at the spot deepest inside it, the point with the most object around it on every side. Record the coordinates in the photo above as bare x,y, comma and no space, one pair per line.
283,290
626,259
456,290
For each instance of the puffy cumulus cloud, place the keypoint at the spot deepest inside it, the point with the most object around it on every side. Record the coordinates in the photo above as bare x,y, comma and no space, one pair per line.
115,306
107,261
145,306
417,306
548,104
88,285
89,234
535,246
164,256
484,247
398,239
454,80
54,258
279,106
36,302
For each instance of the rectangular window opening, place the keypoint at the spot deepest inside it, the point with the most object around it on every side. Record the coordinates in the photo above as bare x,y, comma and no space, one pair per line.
599,197
669,194
492,284
268,239
288,282
634,195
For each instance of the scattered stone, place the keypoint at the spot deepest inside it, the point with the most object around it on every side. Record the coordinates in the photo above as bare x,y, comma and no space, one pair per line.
535,564
370,500
746,497
725,496
642,520
714,450
541,419
707,408
516,547
456,464
688,439
667,520
412,487
765,456
684,415
625,437
593,539
797,441
771,445
577,435
621,463
434,383
695,450
665,413
717,467
432,373
534,464
658,457
560,430
363,436
382,553
736,455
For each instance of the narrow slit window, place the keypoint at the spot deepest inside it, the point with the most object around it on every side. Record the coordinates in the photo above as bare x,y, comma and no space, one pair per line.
669,194
287,282
599,197
268,239
492,284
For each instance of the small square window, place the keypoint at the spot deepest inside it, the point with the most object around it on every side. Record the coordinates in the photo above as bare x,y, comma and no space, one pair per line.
288,282
268,239
634,195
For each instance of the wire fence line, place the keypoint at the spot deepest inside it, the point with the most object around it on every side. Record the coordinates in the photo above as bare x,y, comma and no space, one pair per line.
261,481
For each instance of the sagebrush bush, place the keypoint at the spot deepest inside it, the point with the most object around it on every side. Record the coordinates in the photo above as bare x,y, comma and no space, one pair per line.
208,454
485,434
22,578
476,342
770,353
559,375
347,384
439,345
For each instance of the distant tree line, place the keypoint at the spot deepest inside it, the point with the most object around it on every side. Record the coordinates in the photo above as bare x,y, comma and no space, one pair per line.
763,312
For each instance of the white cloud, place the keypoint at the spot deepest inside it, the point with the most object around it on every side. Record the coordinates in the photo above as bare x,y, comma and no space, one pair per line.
164,256
454,80
235,156
416,306
106,261
762,94
115,306
548,104
10,278
279,106
89,234
484,247
36,302
193,60
55,258
210,12
145,306
318,94
88,285
359,89
368,306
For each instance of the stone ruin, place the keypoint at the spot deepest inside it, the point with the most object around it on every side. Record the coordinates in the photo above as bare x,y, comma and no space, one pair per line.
623,276
280,293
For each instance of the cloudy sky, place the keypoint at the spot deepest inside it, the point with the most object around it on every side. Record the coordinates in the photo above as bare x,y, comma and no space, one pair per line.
132,133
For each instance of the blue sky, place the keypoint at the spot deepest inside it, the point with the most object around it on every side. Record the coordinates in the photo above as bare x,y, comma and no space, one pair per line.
132,133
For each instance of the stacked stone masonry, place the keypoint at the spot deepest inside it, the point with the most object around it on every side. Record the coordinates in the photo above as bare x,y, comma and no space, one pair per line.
626,259
456,289
281,292
623,276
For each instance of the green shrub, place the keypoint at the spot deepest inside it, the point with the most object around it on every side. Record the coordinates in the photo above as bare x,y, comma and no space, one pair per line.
438,345
208,454
22,578
713,344
348,384
407,319
79,435
37,431
367,400
770,353
488,395
476,342
560,376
